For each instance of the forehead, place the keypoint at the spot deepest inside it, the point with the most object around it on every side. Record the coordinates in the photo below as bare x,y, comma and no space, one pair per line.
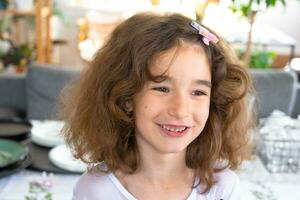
185,53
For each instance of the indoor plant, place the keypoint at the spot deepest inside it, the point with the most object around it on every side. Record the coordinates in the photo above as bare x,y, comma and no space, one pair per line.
19,56
249,10
4,4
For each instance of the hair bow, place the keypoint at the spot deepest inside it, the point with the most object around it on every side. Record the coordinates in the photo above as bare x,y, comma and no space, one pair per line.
207,35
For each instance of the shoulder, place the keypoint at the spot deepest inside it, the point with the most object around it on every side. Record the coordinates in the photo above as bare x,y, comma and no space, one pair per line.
94,184
227,185
226,177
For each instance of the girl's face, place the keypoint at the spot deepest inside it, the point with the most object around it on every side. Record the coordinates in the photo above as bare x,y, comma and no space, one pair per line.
171,114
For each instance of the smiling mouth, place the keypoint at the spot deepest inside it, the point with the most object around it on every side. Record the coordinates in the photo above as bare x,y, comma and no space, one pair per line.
174,131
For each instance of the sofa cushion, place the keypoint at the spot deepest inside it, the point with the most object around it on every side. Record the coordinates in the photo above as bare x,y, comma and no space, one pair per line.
44,84
275,89
12,91
8,112
296,110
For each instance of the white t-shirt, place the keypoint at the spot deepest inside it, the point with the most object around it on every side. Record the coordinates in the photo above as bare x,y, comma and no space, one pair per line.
98,185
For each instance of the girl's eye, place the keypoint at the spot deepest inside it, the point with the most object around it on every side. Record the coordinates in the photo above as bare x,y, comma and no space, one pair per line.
161,89
198,93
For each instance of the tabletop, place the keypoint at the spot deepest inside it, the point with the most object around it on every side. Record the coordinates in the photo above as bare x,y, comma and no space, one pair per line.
257,184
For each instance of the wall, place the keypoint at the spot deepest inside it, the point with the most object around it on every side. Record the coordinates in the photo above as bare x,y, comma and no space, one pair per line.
286,19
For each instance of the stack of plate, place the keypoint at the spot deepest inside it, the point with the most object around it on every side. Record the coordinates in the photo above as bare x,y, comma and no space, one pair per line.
13,157
48,150
62,157
47,133
14,129
46,146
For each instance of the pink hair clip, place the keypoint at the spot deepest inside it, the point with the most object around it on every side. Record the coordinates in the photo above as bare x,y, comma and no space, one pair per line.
207,36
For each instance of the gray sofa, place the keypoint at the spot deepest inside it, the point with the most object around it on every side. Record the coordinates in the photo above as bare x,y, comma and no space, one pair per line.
36,94
276,89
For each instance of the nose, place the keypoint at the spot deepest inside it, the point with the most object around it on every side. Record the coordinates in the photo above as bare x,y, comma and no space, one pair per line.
179,106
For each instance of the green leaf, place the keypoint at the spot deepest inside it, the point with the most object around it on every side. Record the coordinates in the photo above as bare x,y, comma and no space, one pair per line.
246,10
262,59
245,7
48,196
283,3
30,198
270,3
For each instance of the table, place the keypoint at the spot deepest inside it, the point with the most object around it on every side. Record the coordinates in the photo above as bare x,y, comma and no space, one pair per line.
16,186
256,184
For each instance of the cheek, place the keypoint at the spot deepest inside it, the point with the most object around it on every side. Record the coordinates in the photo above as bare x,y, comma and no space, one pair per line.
201,114
143,105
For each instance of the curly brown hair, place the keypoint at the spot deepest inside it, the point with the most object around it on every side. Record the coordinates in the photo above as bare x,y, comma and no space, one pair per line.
99,128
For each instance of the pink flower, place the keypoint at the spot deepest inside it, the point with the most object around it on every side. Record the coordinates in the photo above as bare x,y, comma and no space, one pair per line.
47,184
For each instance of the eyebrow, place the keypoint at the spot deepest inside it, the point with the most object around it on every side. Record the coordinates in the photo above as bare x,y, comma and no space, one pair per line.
162,78
203,82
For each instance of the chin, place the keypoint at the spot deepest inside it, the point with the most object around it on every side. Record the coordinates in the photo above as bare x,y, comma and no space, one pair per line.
172,149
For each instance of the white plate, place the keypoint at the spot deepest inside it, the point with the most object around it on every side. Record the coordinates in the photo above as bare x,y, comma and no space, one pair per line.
47,133
62,157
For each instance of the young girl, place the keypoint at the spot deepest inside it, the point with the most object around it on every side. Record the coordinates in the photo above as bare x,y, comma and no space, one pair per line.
161,113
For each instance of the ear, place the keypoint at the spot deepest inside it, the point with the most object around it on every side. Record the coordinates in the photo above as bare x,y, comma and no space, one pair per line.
128,106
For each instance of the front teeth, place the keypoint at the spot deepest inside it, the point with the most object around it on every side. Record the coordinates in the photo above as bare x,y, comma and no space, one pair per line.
173,129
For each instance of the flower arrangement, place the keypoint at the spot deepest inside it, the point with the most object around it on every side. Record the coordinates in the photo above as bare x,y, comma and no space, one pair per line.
40,190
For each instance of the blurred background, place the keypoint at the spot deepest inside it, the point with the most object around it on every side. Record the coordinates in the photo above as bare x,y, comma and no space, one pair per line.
68,32
45,44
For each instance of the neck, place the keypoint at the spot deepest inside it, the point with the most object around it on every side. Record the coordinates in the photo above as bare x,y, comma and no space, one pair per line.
163,166
162,173
158,168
